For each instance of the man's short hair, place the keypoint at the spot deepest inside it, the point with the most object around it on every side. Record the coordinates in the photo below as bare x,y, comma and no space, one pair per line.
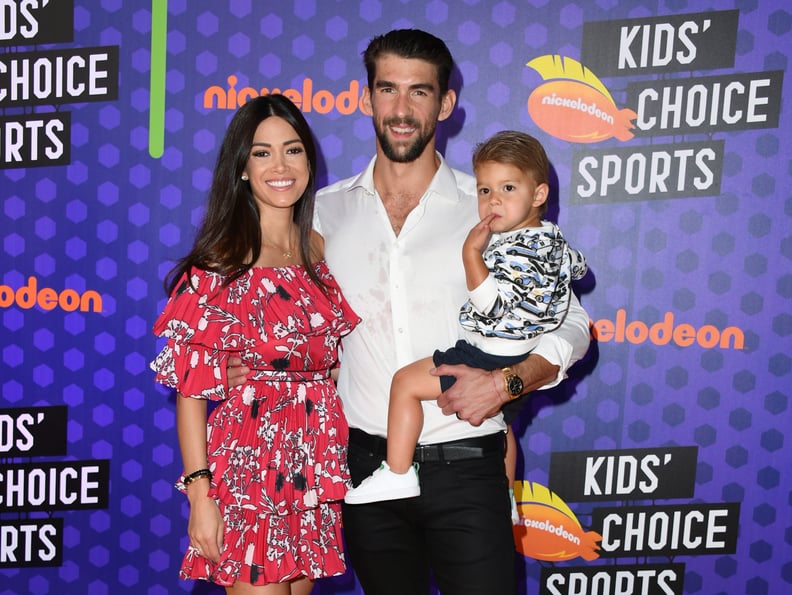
412,44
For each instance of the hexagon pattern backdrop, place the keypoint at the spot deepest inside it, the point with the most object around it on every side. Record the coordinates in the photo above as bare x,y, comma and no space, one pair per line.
686,226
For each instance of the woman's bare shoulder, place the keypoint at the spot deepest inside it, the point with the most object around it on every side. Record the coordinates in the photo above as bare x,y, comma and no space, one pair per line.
317,245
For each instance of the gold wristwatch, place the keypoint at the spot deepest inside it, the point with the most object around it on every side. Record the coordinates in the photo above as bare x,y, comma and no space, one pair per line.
512,382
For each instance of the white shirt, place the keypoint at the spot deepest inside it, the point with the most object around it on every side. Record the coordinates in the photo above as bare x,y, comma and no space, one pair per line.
408,290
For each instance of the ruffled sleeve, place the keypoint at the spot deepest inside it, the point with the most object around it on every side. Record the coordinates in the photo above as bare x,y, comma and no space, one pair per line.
346,319
198,329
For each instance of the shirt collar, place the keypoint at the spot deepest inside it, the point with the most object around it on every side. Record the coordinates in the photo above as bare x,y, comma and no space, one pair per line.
444,182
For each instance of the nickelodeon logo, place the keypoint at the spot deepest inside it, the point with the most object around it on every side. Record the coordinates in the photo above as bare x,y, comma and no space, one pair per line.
574,105
46,298
664,332
548,529
306,97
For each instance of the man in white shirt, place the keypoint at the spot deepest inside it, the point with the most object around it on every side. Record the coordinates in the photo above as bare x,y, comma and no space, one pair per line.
393,239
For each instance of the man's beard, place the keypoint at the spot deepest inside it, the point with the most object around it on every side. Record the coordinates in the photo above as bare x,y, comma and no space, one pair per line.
412,151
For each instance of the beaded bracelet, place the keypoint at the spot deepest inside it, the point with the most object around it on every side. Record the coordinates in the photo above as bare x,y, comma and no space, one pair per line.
188,479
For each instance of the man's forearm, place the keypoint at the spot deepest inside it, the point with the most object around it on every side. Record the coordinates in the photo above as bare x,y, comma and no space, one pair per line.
477,394
559,349
574,330
535,372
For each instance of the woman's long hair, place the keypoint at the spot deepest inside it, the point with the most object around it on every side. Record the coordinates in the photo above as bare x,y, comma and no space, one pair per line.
229,238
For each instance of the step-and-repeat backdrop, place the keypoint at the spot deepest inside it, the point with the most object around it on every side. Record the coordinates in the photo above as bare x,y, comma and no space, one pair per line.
660,467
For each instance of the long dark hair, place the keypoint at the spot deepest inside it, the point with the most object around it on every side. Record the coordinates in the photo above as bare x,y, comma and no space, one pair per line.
229,238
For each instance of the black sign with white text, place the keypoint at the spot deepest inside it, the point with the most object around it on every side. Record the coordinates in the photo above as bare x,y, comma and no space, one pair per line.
33,542
671,43
63,485
33,431
36,21
668,530
629,474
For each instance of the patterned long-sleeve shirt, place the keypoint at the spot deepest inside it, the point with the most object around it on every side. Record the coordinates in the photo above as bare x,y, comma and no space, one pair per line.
527,291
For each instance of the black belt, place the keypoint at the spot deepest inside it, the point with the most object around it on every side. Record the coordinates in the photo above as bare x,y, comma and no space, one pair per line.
455,450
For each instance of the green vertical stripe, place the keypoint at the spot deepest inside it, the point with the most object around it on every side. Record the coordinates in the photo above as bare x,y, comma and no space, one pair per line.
159,43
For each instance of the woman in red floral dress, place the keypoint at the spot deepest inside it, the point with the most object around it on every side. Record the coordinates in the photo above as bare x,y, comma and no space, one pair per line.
265,480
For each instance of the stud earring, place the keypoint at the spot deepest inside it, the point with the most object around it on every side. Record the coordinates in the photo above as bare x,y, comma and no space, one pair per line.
244,178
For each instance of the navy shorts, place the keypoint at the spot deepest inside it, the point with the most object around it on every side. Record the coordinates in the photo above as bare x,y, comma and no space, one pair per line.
465,353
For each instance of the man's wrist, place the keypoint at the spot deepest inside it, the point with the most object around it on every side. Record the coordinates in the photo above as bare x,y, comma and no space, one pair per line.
512,383
537,372
498,385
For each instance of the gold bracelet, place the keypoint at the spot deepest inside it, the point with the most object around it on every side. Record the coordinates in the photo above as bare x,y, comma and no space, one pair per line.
188,479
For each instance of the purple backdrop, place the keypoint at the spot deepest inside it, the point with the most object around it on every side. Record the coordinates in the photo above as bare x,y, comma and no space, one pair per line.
667,441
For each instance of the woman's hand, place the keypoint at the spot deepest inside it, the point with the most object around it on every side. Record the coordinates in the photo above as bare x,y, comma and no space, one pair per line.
205,527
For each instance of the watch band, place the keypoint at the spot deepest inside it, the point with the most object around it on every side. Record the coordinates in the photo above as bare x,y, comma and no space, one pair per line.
512,383
507,373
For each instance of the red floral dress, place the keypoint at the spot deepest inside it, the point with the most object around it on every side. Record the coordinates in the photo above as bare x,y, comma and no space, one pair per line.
276,445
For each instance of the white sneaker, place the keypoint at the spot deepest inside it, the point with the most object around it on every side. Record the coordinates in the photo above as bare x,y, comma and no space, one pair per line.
515,516
384,484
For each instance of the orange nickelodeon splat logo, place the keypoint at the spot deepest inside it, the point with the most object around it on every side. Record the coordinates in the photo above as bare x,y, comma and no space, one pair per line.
574,105
548,529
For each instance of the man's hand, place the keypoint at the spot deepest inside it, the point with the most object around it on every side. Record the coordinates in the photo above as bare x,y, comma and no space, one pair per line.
236,372
473,397
477,394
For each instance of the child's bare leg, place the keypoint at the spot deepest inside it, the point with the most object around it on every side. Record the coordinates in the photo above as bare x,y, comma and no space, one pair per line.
411,385
397,478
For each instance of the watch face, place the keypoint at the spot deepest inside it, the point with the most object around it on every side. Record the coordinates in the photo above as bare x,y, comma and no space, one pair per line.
515,385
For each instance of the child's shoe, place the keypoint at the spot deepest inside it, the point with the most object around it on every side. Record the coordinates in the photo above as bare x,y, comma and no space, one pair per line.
515,516
384,484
